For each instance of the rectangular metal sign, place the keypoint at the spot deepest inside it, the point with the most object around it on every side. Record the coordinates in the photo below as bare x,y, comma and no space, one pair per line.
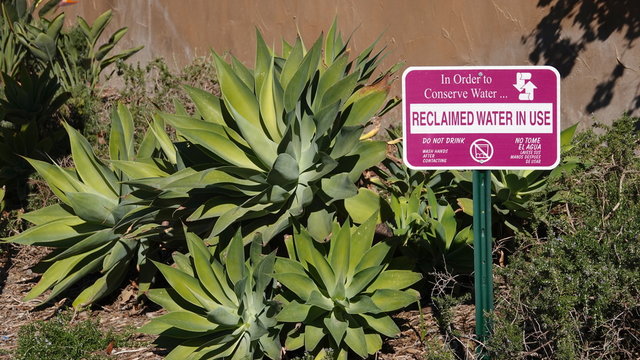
481,117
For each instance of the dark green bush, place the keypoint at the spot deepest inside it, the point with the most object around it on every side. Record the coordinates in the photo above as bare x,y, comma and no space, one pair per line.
573,291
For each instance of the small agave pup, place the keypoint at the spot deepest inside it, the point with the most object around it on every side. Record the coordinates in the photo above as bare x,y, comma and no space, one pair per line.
341,292
282,141
218,309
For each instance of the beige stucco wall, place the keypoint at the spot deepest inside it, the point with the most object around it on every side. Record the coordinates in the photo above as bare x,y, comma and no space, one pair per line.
601,73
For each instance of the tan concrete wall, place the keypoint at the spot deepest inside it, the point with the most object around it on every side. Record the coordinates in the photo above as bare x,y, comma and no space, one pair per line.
594,43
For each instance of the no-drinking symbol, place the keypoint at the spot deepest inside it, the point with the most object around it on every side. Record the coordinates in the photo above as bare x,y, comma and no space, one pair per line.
481,150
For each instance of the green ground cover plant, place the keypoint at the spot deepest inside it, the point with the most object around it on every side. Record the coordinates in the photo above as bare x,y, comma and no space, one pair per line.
62,338
573,291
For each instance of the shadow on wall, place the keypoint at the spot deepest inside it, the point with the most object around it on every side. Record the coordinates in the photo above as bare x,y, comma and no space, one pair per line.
597,20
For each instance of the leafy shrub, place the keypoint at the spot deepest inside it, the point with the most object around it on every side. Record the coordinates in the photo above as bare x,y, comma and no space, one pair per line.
154,87
341,291
576,292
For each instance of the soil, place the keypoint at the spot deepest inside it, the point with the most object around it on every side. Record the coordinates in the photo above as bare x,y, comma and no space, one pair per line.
420,330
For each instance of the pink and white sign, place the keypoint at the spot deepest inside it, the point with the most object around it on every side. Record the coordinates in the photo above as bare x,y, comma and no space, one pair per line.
494,117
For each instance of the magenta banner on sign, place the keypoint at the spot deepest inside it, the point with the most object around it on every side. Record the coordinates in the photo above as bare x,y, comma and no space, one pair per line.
471,117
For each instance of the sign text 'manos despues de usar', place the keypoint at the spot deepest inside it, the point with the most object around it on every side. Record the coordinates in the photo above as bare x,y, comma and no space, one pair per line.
472,117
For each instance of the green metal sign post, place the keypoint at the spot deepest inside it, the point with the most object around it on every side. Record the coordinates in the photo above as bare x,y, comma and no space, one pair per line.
482,246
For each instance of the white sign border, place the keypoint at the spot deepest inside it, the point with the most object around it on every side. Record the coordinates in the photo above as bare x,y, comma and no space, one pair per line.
492,67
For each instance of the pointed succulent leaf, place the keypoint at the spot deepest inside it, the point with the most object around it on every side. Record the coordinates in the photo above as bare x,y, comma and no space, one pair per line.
285,265
381,323
89,168
47,214
340,252
361,279
294,312
245,109
54,233
374,256
207,104
356,340
223,316
362,304
95,240
138,169
300,78
212,137
264,59
338,187
395,280
58,272
202,263
94,208
312,336
391,300
367,154
268,105
59,181
104,285
187,320
89,265
319,300
234,261
329,78
243,72
363,104
339,92
162,139
301,285
292,63
121,137
186,286
336,326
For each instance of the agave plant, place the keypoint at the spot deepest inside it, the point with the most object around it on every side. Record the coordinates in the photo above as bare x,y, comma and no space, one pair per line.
218,309
80,66
282,141
394,177
340,291
430,229
99,225
514,191
25,125
12,53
